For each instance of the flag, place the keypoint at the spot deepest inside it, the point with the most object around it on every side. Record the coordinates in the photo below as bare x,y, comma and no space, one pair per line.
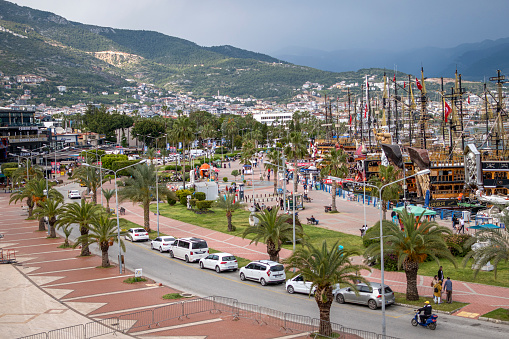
350,120
366,110
394,79
447,110
404,84
469,99
419,86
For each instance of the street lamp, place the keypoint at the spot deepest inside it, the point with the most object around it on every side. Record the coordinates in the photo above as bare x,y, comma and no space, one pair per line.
117,212
157,184
382,268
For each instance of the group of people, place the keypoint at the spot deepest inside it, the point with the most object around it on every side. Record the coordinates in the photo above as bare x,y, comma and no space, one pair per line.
439,284
458,225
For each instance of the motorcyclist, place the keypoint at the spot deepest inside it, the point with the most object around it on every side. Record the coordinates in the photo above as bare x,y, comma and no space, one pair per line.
427,309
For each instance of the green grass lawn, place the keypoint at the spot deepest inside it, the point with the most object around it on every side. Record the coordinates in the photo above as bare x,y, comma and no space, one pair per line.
401,298
217,221
499,313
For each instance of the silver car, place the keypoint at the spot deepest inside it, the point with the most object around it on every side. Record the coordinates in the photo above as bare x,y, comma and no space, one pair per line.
367,295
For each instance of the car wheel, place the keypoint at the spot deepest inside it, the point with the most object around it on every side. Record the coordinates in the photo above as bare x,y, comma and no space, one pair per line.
161,249
187,258
372,304
151,246
263,282
340,298
290,289
218,270
242,277
432,326
414,322
171,254
201,265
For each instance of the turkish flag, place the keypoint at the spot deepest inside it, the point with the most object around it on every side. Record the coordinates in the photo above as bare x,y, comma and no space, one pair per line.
350,120
447,110
419,86
404,84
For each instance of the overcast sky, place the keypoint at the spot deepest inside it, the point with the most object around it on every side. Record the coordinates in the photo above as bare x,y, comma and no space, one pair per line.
270,25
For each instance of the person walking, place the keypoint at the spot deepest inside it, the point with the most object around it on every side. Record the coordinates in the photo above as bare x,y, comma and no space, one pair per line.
448,290
440,274
437,292
462,226
434,281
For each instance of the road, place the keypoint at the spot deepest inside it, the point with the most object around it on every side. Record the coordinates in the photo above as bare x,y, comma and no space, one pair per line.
191,279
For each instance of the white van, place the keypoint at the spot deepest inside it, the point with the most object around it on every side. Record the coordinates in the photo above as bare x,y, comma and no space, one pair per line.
189,249
196,152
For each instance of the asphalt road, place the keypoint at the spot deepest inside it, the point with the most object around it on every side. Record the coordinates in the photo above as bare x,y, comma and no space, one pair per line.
191,279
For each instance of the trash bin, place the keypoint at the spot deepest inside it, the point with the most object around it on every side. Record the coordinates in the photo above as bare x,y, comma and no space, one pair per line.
224,165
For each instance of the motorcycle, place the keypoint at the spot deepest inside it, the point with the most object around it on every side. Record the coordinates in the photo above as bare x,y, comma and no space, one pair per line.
430,323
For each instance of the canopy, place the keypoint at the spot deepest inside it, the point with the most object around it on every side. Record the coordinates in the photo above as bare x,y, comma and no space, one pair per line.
415,210
483,227
205,167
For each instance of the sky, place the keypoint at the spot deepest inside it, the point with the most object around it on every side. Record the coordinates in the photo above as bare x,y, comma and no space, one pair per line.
268,26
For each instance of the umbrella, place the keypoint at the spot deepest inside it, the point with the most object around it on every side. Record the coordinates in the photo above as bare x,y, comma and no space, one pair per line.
415,210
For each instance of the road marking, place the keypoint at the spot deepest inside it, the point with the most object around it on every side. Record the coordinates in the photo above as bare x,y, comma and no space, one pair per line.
109,293
37,253
13,234
303,334
83,281
18,247
130,310
43,262
177,326
71,269
7,230
467,314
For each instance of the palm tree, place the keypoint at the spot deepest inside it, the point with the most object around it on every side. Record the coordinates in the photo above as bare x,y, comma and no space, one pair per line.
82,214
140,187
274,230
335,165
386,175
325,267
108,194
67,229
229,204
91,177
296,148
419,240
184,131
495,250
103,229
275,159
34,172
50,209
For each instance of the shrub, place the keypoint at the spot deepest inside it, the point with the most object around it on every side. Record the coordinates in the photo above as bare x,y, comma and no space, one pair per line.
200,195
183,200
116,165
172,202
204,204
172,296
183,193
225,179
455,244
391,262
192,202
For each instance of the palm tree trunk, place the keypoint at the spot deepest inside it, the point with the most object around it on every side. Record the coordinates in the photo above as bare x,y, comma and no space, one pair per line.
108,205
146,216
275,173
272,251
411,268
229,217
183,166
42,227
85,251
323,298
333,203
384,209
295,182
104,253
52,233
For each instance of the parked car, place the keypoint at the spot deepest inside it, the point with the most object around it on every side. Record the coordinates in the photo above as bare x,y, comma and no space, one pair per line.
367,295
162,243
264,271
136,234
220,262
297,284
189,249
74,194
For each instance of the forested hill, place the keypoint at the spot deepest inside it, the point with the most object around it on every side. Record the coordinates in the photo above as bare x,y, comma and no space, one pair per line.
92,59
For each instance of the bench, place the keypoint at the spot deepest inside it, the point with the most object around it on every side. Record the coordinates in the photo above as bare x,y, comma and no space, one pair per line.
312,222
327,208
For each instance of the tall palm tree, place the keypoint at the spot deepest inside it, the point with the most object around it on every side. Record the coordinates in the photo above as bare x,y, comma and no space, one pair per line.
325,267
386,175
295,149
275,159
34,172
140,187
103,229
229,204
108,194
273,229
50,209
419,240
184,131
496,249
82,214
248,150
335,165
91,177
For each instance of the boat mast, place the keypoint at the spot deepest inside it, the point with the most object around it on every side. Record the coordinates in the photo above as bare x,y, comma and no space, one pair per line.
362,118
396,108
368,106
423,110
349,114
461,92
486,111
443,108
499,131
410,108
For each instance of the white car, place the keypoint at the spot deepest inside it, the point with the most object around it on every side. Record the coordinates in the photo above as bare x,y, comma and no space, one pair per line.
189,249
136,234
220,262
297,284
74,194
264,271
162,243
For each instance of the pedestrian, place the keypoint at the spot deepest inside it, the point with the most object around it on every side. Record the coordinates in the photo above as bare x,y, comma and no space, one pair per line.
462,225
454,222
440,274
434,281
437,292
448,290
229,164
281,203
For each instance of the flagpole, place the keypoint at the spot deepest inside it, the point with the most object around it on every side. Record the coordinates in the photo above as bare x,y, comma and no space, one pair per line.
443,108
396,108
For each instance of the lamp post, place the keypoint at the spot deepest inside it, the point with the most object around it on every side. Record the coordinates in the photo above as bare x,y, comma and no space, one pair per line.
382,268
117,212
157,185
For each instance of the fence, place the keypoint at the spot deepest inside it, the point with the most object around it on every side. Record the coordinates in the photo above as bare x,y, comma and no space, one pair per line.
129,323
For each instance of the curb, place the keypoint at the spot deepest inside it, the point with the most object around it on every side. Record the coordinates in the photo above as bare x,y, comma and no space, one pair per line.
435,311
496,321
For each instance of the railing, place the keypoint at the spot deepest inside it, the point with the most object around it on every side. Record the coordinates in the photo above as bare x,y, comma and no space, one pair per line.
155,318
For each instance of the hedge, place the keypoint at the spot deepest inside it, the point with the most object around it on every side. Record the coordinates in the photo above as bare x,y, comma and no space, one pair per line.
183,200
192,202
8,165
108,160
200,196
204,204
120,164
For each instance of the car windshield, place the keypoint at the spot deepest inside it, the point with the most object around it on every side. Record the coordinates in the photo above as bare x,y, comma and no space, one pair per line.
277,268
140,230
169,239
229,258
200,244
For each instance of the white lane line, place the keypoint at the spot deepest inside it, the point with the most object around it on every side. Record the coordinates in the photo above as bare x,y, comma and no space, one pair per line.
71,269
43,262
83,281
37,253
159,329
28,239
129,310
10,229
13,234
109,293
32,246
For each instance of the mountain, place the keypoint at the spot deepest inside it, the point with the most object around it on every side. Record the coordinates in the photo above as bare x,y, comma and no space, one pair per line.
473,60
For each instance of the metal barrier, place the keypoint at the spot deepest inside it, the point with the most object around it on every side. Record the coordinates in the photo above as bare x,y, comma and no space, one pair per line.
167,312
71,332
43,335
102,327
198,306
298,323
136,320
248,311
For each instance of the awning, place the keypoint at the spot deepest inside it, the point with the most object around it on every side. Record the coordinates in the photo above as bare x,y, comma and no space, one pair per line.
415,210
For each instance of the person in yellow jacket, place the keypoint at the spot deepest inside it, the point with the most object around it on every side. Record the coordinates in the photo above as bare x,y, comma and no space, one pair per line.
437,292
